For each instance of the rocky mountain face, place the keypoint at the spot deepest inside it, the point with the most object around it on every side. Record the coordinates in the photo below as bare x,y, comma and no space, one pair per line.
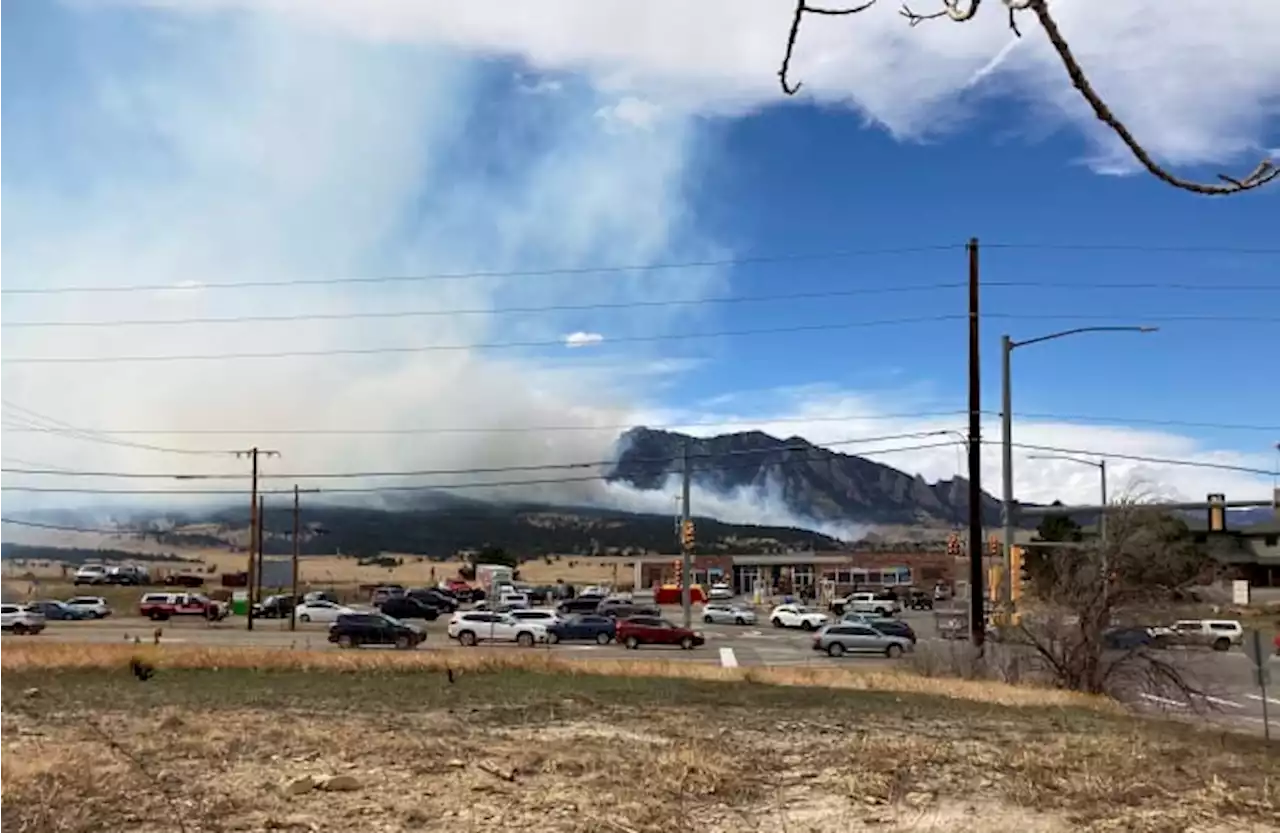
813,482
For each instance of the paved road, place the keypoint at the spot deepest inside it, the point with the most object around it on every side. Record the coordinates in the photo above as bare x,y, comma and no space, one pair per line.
1231,695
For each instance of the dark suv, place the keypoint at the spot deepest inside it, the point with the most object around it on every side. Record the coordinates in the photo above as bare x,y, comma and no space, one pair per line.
409,607
352,630
581,604
441,600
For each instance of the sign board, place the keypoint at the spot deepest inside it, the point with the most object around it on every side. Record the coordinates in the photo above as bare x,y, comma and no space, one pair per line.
1240,592
277,572
1255,649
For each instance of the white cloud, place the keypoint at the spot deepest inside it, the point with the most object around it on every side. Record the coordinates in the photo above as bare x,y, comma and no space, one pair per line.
914,81
581,339
630,113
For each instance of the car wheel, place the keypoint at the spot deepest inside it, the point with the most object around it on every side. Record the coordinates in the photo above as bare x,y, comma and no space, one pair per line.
687,643
739,621
524,640
777,623
553,638
403,643
345,641
632,643
1222,645
602,639
304,618
467,638
707,619
805,624
893,651
19,629
835,649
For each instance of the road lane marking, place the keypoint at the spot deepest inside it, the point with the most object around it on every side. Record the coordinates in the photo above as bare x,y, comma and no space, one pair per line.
1222,702
1258,698
1163,700
727,658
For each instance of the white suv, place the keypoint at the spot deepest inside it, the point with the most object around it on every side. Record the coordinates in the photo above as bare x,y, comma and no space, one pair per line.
95,606
473,627
874,603
20,619
91,574
796,616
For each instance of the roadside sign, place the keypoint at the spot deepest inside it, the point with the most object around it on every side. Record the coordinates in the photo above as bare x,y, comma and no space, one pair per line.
1240,592
1254,649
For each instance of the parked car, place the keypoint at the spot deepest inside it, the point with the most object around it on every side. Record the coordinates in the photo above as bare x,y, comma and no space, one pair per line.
856,638
351,630
797,616
920,600
582,604
472,627
628,610
441,600
881,604
183,580
583,627
94,607
20,619
720,592
90,574
1127,639
725,613
513,599
408,607
1219,634
162,606
886,625
127,575
274,607
540,616
52,609
383,592
321,611
652,630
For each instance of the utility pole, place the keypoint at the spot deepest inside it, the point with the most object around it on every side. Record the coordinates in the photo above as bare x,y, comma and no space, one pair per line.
253,455
1006,467
686,564
977,596
257,578
293,574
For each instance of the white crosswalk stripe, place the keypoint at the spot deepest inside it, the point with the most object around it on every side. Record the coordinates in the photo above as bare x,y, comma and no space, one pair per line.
1165,701
1258,699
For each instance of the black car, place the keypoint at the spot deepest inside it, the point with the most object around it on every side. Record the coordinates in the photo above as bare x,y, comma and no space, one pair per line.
582,604
60,611
274,607
351,630
920,600
599,629
895,627
430,596
1127,639
407,607
626,610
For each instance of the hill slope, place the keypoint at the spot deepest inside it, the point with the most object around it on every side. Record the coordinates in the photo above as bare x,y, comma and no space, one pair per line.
814,482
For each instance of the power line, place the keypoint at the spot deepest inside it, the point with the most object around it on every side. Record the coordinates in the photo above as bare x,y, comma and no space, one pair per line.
31,420
1168,423
60,528
430,348
1139,458
448,487
344,316
1206,286
739,452
474,275
1135,247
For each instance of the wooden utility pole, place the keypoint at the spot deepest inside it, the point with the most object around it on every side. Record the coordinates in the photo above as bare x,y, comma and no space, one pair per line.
686,555
253,455
293,573
257,578
977,596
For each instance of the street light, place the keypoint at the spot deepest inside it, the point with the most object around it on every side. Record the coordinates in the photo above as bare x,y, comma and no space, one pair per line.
1008,345
1101,466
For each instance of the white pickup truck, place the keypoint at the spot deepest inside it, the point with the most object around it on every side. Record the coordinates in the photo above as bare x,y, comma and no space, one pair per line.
880,604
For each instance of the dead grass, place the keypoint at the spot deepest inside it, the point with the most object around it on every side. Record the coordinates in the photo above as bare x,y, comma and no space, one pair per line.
28,657
597,767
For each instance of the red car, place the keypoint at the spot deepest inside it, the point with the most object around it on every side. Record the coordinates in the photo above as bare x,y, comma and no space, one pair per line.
650,630
161,606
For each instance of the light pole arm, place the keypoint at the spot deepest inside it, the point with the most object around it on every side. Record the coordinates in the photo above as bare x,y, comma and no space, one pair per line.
1077,330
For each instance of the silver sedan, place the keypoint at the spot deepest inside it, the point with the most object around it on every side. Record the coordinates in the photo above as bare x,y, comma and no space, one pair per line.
722,613
858,638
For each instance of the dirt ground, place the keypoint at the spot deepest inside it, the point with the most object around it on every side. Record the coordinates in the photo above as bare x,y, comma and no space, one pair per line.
252,750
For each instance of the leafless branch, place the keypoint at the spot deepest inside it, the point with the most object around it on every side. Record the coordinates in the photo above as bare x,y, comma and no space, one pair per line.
1265,172
801,9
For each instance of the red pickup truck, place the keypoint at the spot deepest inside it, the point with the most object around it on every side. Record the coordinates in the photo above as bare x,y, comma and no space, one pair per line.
161,606
650,630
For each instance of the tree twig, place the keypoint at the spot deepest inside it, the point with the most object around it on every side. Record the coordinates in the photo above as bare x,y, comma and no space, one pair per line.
801,8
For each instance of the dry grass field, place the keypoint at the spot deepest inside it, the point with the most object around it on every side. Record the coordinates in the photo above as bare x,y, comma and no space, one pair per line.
240,740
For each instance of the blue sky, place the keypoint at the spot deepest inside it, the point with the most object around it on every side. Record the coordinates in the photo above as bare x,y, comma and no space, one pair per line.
193,145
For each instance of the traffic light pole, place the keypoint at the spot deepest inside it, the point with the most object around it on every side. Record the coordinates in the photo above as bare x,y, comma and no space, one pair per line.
686,562
977,601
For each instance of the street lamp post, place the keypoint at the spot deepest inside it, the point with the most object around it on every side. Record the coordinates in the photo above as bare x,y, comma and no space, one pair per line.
1101,466
1008,345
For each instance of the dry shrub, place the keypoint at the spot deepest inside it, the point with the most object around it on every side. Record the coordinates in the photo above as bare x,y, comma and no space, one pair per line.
33,656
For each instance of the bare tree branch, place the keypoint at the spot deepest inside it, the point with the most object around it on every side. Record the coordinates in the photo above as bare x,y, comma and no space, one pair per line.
1266,171
801,8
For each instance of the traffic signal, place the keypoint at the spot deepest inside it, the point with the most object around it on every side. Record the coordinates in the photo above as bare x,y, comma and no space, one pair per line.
1217,513
995,579
953,545
687,538
1017,571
